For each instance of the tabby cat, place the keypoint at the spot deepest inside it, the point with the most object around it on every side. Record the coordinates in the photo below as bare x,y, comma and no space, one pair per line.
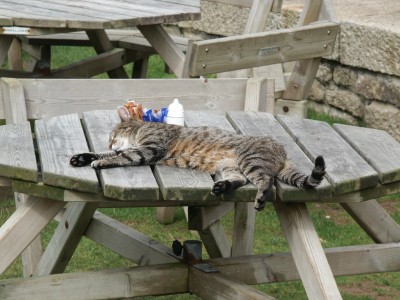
234,157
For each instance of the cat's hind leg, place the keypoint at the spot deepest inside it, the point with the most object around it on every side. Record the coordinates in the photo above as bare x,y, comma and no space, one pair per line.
265,191
228,178
261,173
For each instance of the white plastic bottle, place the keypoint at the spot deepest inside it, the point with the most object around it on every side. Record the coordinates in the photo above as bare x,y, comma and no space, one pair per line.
175,114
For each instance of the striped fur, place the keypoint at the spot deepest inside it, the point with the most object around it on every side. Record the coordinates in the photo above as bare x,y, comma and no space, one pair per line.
235,158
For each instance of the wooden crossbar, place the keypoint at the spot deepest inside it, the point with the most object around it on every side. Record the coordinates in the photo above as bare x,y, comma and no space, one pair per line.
177,278
254,50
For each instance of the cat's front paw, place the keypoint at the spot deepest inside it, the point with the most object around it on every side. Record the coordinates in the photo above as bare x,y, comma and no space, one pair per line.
82,159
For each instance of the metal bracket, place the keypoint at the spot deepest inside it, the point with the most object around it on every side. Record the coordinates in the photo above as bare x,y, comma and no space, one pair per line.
206,268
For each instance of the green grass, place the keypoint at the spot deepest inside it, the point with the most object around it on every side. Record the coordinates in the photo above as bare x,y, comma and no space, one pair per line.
334,227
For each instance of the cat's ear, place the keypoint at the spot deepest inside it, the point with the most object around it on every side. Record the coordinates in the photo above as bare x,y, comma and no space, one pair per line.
123,114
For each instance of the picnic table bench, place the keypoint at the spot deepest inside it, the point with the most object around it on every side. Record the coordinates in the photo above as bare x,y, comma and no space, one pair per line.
21,20
362,164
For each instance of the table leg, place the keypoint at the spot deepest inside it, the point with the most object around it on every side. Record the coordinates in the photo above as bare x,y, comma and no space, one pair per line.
206,220
243,229
375,221
23,226
215,241
40,59
32,254
101,44
307,251
66,238
165,47
5,43
15,55
140,67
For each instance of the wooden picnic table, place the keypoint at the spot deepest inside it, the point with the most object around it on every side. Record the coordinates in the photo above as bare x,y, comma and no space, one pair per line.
23,18
362,164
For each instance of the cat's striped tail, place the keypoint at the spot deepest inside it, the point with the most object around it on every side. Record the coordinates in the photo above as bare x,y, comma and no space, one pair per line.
290,175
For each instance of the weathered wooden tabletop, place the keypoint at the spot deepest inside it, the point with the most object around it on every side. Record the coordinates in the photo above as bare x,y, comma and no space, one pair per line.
361,163
94,14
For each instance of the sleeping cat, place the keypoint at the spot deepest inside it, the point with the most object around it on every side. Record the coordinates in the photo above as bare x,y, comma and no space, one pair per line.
234,157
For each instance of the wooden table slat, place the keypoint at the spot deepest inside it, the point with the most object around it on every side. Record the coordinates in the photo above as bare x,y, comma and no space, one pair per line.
179,184
31,19
218,119
159,7
17,159
216,94
58,139
91,8
346,170
49,10
377,147
95,14
126,183
264,124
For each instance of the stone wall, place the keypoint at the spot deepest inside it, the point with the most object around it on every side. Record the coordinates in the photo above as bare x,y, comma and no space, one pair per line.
358,95
359,82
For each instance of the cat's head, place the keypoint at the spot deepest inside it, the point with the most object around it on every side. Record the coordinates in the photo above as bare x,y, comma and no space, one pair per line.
119,138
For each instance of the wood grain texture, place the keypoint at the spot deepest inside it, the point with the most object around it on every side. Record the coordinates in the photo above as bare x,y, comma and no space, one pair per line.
201,218
18,154
272,72
305,70
256,23
59,194
77,38
180,184
307,251
346,170
243,229
14,101
247,51
264,124
165,46
15,55
15,108
127,183
375,221
327,11
23,226
96,14
102,44
47,98
219,286
65,238
58,139
5,43
106,284
280,267
215,118
127,242
377,147
215,241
